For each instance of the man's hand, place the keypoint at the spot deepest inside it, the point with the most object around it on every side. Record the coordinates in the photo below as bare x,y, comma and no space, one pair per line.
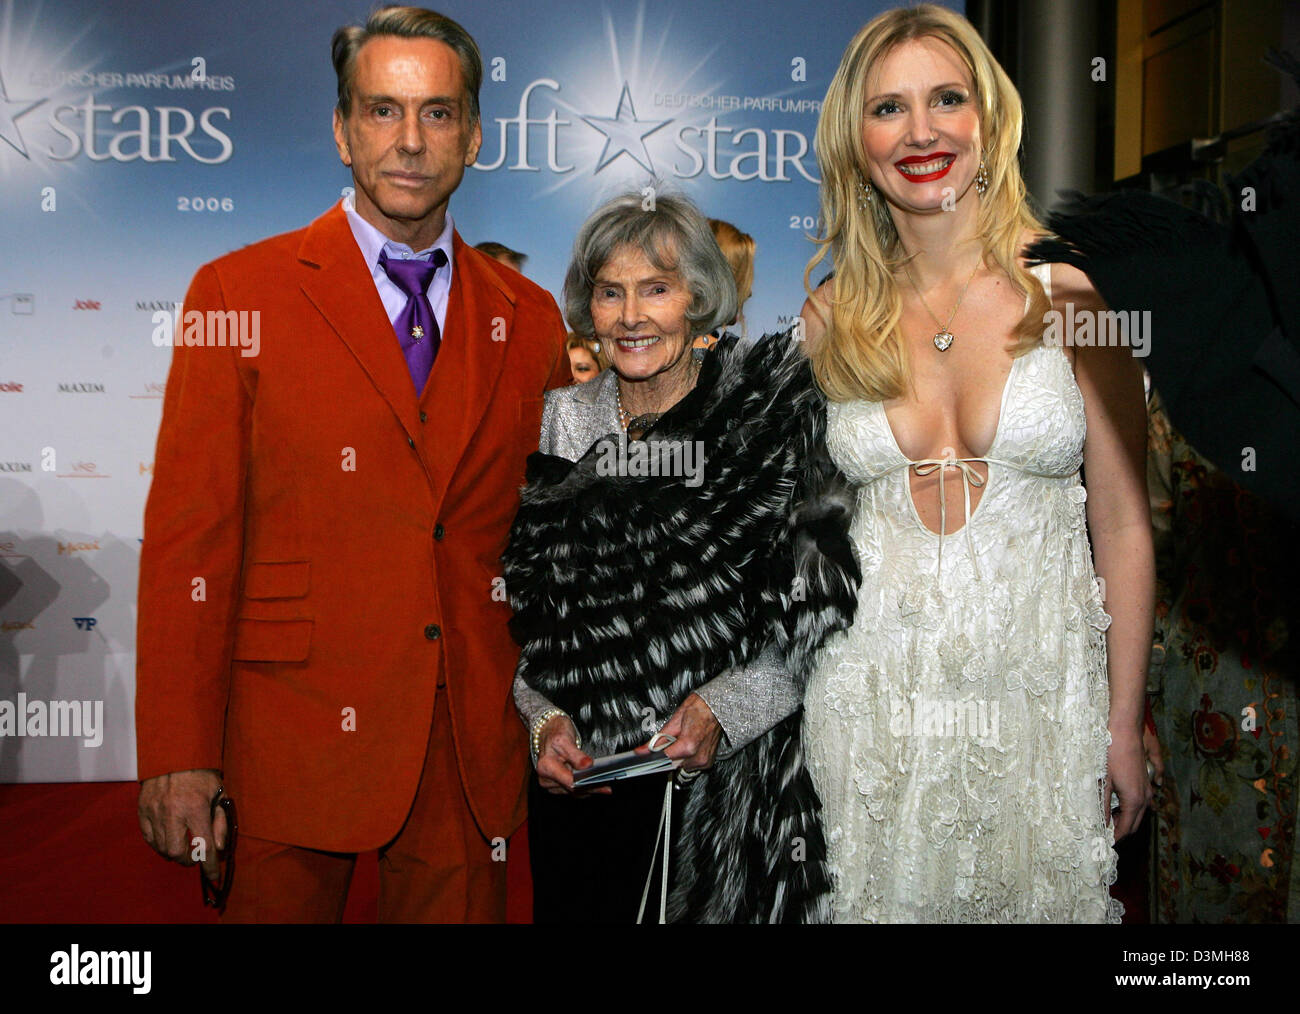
176,808
698,734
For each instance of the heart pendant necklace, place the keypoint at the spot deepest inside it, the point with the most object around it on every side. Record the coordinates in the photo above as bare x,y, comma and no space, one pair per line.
943,338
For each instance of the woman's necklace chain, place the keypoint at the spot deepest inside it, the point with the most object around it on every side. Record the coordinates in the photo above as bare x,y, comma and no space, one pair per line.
944,337
643,422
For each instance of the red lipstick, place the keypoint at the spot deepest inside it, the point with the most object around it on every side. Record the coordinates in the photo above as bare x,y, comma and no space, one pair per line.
913,160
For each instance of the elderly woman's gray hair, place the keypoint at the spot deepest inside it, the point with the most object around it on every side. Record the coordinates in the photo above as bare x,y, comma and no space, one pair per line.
674,236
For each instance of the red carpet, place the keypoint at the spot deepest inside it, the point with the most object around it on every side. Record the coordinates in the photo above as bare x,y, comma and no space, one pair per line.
72,853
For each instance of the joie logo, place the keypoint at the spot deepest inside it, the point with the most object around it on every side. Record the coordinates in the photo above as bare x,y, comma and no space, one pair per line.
68,548
11,388
86,304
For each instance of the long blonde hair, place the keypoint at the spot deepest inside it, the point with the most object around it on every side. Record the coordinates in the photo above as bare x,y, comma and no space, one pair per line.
863,354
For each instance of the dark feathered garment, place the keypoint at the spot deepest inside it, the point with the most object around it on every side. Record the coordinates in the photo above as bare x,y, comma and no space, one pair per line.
1224,302
630,592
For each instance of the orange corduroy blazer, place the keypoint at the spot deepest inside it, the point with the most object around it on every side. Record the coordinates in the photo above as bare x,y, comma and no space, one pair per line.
321,546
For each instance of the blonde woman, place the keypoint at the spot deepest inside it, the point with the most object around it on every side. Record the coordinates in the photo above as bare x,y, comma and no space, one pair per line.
585,357
738,248
967,733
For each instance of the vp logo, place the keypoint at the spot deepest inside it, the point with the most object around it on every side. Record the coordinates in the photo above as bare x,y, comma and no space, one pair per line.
85,622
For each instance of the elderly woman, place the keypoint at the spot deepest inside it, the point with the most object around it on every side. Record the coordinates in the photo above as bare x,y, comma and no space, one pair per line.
679,553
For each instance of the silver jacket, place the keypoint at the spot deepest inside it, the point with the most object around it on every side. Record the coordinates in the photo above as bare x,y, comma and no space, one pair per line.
747,700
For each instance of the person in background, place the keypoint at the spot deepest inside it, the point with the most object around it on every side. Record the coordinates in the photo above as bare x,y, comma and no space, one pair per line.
738,249
502,253
585,357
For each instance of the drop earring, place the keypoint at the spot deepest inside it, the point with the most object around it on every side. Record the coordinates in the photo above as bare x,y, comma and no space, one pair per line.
982,178
865,194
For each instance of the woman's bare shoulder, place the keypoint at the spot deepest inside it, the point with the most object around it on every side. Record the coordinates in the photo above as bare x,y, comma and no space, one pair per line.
1069,284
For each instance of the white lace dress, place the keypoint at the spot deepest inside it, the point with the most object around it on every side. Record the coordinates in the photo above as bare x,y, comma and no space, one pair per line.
957,732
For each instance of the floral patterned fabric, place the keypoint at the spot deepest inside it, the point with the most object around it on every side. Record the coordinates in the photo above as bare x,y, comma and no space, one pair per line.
1223,692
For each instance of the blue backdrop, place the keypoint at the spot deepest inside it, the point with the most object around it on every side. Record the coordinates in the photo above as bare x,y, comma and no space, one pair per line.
139,140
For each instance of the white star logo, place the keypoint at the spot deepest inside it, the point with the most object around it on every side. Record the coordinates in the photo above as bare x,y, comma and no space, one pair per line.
10,110
625,133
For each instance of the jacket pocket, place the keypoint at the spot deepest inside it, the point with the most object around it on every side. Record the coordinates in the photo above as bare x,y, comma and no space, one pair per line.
272,640
287,580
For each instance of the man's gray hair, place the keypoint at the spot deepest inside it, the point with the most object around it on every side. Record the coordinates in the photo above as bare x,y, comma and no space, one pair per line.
674,235
406,23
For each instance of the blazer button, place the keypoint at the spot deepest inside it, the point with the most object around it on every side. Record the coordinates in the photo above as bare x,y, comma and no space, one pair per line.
424,417
433,631
411,442
438,533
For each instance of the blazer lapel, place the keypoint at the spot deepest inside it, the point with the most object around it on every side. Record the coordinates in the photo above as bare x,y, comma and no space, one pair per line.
480,315
343,291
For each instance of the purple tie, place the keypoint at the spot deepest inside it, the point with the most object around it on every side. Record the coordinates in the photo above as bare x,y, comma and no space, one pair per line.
416,326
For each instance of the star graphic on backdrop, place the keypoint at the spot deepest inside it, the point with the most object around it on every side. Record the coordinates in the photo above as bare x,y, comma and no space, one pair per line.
10,110
625,133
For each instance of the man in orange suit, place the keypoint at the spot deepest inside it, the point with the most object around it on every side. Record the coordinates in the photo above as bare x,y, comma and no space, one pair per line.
322,626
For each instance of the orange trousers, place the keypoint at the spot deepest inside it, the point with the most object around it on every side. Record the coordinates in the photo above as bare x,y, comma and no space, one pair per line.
439,868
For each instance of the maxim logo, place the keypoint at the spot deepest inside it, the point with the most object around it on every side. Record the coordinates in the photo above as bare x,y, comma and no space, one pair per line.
12,388
15,466
68,548
81,389
87,304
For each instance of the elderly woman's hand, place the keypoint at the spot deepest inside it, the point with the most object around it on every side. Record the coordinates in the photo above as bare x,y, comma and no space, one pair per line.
698,734
559,756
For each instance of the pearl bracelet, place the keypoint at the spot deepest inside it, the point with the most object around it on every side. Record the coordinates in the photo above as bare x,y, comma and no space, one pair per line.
539,723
